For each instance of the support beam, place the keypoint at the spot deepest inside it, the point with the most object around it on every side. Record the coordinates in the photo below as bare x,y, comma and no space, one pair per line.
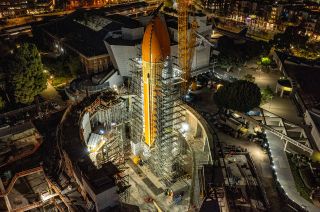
6,199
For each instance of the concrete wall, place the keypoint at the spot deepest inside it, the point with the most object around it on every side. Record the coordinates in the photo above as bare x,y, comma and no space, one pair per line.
103,200
86,126
120,57
201,56
278,62
200,130
115,80
314,128
201,146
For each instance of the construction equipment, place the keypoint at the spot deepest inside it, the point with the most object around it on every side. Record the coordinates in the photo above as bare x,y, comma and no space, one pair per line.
186,42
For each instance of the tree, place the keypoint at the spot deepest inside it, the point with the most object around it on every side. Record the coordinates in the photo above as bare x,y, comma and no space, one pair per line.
26,75
266,94
227,61
230,54
240,95
265,61
63,66
2,103
292,37
168,3
74,65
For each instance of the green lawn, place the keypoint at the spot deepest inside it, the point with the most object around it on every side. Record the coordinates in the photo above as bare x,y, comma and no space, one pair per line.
302,189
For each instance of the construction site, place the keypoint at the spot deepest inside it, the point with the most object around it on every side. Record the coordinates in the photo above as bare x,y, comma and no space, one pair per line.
143,148
130,135
138,149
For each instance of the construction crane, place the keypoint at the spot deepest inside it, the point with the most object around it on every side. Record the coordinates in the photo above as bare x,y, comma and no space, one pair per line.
186,41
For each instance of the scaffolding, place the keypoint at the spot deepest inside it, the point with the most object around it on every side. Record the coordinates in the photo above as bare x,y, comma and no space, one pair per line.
109,111
164,156
137,106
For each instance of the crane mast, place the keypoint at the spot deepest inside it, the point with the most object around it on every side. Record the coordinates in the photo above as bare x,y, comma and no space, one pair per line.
186,42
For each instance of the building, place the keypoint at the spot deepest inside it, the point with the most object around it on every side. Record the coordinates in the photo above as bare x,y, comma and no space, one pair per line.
73,4
305,89
121,37
73,35
110,150
82,33
125,44
13,8
93,149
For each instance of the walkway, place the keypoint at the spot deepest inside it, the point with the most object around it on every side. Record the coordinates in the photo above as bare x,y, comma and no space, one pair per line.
283,172
51,94
284,108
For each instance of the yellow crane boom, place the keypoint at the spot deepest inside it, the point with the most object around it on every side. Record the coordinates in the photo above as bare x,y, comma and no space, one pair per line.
186,42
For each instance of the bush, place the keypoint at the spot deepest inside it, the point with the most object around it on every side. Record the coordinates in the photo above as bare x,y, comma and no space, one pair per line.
265,61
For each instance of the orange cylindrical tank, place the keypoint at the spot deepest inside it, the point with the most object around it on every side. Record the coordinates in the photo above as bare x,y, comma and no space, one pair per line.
155,50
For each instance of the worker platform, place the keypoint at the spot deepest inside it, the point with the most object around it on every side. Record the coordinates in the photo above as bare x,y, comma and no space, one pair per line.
149,193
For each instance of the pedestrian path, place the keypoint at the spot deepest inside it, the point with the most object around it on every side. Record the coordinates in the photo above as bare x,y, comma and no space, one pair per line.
283,172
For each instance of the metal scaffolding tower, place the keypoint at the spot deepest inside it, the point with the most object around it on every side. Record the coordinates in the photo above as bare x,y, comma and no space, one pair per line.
137,106
164,156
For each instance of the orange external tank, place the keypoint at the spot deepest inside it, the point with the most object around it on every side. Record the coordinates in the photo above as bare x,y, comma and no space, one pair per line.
155,50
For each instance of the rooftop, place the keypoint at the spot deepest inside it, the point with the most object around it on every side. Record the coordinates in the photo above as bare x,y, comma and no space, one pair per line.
307,78
100,179
17,129
85,31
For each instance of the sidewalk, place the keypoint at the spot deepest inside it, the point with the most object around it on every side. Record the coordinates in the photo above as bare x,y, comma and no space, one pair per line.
283,107
283,172
52,94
